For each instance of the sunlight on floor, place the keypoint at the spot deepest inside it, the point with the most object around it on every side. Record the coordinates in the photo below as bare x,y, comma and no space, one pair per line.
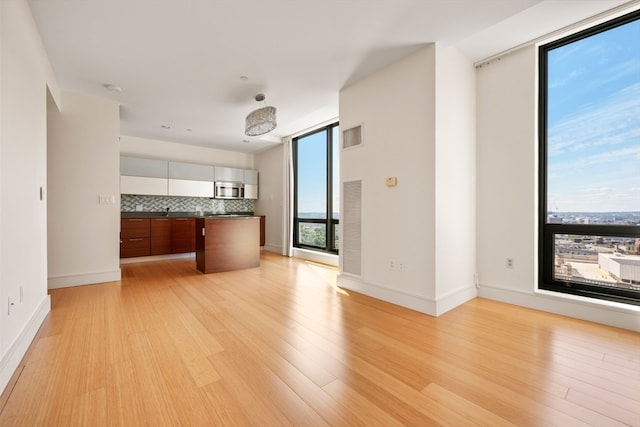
328,273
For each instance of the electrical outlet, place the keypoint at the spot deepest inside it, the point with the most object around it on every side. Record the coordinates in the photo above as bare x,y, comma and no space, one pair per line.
509,262
401,266
392,264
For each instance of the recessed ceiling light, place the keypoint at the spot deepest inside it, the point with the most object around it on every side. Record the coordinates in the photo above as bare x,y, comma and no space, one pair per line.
246,141
112,88
244,78
189,130
165,126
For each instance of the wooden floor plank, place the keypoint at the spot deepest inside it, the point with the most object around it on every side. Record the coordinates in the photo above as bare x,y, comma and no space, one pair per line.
366,412
248,383
470,410
283,345
629,415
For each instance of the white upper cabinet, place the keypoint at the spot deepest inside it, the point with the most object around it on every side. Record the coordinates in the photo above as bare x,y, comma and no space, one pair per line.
250,177
143,176
151,168
224,174
166,178
191,171
250,184
188,179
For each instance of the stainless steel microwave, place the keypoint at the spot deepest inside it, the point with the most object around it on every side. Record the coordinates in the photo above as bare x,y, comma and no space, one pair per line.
229,190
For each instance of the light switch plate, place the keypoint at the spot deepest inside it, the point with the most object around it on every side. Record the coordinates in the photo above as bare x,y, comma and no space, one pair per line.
106,199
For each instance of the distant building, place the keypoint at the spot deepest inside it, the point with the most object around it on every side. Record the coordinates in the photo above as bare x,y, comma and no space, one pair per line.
554,219
624,268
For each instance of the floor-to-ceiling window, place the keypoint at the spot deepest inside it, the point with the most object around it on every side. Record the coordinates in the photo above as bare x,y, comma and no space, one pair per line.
590,162
316,190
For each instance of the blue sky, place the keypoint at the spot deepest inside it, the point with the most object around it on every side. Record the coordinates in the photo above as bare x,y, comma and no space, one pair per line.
312,174
594,123
312,166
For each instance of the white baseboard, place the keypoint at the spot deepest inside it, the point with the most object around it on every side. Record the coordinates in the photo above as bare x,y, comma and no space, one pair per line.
11,359
423,304
414,302
84,279
607,313
272,248
455,298
137,259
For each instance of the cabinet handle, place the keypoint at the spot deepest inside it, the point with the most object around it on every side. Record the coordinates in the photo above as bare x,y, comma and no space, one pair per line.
182,219
134,219
135,240
161,219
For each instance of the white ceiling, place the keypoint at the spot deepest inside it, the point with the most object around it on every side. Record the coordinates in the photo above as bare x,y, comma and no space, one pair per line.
179,62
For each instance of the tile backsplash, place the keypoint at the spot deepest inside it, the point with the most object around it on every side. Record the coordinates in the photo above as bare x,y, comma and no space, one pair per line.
132,203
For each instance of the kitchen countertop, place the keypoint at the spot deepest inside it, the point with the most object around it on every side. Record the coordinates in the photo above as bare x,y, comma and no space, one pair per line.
126,215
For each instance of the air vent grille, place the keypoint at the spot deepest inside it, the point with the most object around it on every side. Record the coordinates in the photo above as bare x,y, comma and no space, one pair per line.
351,219
352,137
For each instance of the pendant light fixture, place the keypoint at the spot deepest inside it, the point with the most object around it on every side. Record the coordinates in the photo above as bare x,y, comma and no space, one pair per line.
262,120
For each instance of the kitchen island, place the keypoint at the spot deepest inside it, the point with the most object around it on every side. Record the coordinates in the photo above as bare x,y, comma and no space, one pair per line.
227,243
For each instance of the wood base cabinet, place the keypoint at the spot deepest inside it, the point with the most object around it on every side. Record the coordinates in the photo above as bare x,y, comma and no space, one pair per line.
226,244
160,236
183,235
156,236
135,236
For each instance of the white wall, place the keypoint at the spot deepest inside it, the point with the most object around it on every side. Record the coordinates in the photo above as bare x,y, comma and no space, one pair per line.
83,164
455,166
24,75
270,166
507,194
396,110
151,148
400,110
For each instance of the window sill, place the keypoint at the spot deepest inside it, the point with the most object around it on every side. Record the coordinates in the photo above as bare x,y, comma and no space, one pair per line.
322,257
592,302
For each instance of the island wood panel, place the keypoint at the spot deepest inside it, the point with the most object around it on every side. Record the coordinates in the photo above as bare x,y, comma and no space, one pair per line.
227,244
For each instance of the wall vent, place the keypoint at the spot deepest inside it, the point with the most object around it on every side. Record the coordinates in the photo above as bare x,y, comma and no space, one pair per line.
351,219
352,137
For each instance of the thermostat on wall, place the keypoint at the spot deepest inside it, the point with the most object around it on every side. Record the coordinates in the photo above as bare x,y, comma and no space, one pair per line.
391,181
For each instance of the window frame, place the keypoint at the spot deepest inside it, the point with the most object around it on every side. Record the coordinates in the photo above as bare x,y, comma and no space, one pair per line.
330,223
548,231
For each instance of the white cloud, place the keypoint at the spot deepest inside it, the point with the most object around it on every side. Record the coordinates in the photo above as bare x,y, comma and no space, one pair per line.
615,122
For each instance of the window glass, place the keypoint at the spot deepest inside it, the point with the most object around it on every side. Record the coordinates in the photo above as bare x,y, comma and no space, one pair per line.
593,125
317,190
312,176
590,162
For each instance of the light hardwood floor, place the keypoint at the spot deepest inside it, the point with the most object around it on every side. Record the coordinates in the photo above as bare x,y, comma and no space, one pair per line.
280,345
